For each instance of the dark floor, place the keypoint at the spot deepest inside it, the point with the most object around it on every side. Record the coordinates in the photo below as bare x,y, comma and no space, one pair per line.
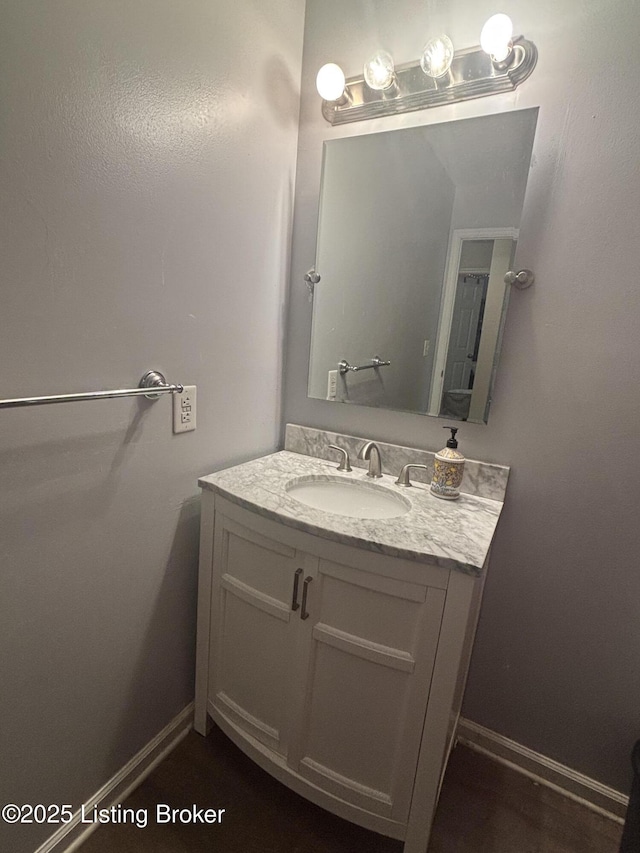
484,808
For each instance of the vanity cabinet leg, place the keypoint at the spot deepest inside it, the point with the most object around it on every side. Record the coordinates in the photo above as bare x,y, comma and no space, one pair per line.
449,675
201,721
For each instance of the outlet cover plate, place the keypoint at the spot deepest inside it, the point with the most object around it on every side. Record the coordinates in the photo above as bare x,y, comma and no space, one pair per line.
184,410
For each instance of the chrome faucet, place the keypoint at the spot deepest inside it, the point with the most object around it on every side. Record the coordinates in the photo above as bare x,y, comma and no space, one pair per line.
370,452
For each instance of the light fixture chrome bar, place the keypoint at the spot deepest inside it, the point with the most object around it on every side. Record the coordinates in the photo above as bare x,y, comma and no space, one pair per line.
152,385
472,75
345,367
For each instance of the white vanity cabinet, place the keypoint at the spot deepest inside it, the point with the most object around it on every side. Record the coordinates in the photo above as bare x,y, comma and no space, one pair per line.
337,669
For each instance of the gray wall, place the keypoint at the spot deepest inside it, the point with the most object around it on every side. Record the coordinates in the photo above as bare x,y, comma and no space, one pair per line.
557,659
147,152
489,162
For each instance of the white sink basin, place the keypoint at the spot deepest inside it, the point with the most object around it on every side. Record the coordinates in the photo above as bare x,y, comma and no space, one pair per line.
352,498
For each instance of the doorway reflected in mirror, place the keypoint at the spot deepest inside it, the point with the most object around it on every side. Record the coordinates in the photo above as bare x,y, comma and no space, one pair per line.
474,307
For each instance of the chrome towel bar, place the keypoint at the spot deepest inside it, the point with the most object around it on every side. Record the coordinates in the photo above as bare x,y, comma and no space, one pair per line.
152,385
345,367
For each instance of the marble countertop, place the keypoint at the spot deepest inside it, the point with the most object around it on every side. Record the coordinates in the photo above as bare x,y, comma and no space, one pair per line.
451,534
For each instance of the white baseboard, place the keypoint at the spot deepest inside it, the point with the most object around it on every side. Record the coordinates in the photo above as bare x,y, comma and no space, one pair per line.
590,793
70,836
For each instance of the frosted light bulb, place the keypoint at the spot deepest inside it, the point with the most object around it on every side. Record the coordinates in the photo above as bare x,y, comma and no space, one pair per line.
437,56
330,82
495,38
379,72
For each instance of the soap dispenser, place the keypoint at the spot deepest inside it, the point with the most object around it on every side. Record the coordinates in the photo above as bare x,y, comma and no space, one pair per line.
448,468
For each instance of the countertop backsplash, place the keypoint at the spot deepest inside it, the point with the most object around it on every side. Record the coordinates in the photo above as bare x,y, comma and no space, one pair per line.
482,479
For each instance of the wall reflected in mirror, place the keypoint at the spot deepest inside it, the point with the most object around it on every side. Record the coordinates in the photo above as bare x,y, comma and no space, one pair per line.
416,230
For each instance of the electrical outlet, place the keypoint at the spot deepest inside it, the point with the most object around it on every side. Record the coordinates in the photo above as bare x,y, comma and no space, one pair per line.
426,348
184,410
332,385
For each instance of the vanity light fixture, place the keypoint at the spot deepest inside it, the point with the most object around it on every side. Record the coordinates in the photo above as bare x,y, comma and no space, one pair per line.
437,56
330,83
379,71
442,75
495,39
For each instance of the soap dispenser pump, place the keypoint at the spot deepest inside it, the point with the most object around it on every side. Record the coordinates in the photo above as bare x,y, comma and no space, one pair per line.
448,468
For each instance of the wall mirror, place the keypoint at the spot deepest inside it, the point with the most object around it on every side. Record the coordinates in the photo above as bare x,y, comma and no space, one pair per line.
416,230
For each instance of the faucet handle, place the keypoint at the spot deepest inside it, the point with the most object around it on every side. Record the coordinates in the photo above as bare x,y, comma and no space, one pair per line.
403,476
344,461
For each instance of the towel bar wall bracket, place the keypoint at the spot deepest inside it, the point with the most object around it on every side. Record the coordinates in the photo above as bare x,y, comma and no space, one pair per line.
152,385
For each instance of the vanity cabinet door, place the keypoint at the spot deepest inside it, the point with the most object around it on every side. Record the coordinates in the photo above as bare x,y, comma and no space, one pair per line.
372,648
255,662
352,699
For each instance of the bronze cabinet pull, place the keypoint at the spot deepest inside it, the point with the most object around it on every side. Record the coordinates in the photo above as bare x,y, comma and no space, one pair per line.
296,584
305,589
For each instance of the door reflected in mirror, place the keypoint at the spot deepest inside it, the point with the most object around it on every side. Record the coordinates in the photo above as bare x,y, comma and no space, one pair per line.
474,306
416,230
